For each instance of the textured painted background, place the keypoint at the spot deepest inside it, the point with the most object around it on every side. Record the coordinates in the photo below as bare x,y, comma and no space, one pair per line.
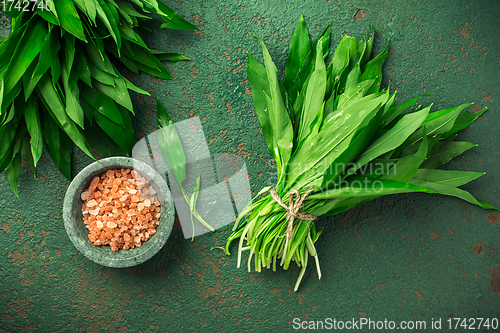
404,257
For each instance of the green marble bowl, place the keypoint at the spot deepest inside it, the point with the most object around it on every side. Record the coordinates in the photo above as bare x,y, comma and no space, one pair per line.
73,218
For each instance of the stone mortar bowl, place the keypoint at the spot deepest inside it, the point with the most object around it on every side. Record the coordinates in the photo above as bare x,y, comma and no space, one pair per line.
78,233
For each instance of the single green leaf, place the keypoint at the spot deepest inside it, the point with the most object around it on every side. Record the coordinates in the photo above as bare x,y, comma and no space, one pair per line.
368,49
14,171
463,121
486,205
445,122
73,108
373,70
446,177
307,66
135,88
169,56
69,51
278,114
339,64
8,116
55,70
101,76
444,152
315,125
447,190
300,47
26,149
6,158
315,93
170,145
260,88
69,18
161,72
32,119
396,110
91,8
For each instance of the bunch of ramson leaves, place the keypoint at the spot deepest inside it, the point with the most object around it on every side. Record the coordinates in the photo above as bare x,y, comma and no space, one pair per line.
58,81
339,141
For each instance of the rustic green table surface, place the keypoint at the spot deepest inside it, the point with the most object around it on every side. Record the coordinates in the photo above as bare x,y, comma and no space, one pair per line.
403,257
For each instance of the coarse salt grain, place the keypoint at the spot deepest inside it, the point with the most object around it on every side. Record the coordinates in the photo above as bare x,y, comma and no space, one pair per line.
111,225
85,195
91,203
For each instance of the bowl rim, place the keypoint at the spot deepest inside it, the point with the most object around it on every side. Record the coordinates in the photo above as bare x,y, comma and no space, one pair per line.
109,163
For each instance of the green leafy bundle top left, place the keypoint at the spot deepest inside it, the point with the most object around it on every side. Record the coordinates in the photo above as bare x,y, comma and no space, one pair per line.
58,81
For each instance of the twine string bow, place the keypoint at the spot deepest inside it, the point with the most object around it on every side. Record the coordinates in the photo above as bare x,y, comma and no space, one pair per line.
294,209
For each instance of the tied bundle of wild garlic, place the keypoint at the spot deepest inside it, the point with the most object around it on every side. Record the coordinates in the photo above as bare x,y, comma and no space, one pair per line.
338,141
58,80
